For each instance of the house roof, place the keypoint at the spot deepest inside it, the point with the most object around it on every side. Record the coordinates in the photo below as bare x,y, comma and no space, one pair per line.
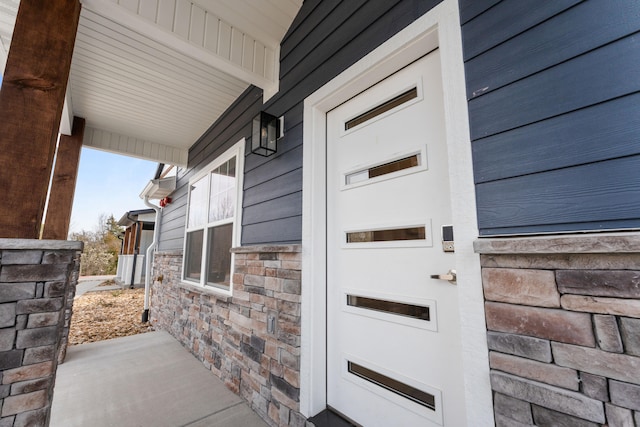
132,216
150,77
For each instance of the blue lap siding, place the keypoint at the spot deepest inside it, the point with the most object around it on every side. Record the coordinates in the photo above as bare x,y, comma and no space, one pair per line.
553,90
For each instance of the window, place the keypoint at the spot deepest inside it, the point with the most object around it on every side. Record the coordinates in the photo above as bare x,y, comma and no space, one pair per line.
213,221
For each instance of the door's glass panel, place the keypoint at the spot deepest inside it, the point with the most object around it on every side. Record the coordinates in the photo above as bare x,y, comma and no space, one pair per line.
395,166
198,203
222,196
193,261
410,233
382,108
409,310
219,256
416,395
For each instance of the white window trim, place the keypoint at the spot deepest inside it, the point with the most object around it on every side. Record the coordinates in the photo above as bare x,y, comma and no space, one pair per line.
439,27
238,151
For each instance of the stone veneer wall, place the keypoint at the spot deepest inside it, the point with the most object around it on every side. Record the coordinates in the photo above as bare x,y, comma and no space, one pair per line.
563,320
251,340
37,286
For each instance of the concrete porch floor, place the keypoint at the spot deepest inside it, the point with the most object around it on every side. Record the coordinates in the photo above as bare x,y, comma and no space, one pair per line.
143,380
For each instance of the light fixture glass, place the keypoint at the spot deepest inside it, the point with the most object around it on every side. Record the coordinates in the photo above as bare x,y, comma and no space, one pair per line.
265,133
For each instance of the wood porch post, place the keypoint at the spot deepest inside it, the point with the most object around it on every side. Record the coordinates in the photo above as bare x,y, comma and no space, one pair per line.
31,100
63,185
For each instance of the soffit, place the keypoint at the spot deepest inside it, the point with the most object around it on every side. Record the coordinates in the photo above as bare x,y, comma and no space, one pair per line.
150,76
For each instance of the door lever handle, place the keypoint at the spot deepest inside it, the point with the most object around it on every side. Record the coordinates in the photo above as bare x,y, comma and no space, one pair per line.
450,277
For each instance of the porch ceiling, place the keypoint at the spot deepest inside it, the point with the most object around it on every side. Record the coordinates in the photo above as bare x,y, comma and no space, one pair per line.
150,76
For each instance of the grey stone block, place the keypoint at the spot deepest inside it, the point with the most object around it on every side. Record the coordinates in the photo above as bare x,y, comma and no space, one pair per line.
39,354
39,289
61,257
565,401
630,329
55,289
34,273
546,323
297,420
39,306
7,337
37,337
39,320
547,373
544,417
606,283
17,291
611,365
594,386
37,417
607,333
7,315
21,321
7,421
520,345
521,286
290,391
625,395
10,359
5,390
502,421
10,257
619,417
513,409
637,417
29,386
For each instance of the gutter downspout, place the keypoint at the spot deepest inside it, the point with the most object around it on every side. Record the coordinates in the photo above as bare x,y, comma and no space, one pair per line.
150,249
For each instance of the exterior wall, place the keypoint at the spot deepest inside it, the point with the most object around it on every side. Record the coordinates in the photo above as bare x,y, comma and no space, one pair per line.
230,128
339,34
563,320
553,88
37,286
251,340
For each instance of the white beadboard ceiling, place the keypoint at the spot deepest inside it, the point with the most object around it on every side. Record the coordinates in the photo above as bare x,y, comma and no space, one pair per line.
150,76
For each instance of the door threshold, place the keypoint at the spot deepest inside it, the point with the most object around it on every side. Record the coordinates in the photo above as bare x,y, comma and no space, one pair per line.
331,418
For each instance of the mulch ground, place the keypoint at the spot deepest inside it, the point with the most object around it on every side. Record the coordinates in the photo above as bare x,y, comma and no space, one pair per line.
104,315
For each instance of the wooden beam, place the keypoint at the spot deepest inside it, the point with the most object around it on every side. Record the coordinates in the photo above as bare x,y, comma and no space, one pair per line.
31,101
63,184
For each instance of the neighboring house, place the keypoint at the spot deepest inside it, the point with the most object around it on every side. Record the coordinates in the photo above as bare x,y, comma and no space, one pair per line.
138,236
324,275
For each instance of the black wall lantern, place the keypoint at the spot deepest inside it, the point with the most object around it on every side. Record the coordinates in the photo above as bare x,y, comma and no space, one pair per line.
266,131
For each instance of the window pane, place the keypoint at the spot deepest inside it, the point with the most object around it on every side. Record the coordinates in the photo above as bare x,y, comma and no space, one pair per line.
412,233
219,251
223,194
193,261
198,203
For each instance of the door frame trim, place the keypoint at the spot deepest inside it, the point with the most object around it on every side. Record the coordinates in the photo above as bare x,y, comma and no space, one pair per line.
439,28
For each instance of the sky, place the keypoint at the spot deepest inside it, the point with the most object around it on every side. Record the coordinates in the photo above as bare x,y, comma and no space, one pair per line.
108,184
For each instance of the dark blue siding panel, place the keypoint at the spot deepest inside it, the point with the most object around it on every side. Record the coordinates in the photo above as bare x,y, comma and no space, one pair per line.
506,20
601,132
554,88
279,231
282,207
597,76
552,42
469,9
572,195
277,187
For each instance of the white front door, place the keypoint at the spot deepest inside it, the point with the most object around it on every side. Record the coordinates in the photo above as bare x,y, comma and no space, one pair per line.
394,354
